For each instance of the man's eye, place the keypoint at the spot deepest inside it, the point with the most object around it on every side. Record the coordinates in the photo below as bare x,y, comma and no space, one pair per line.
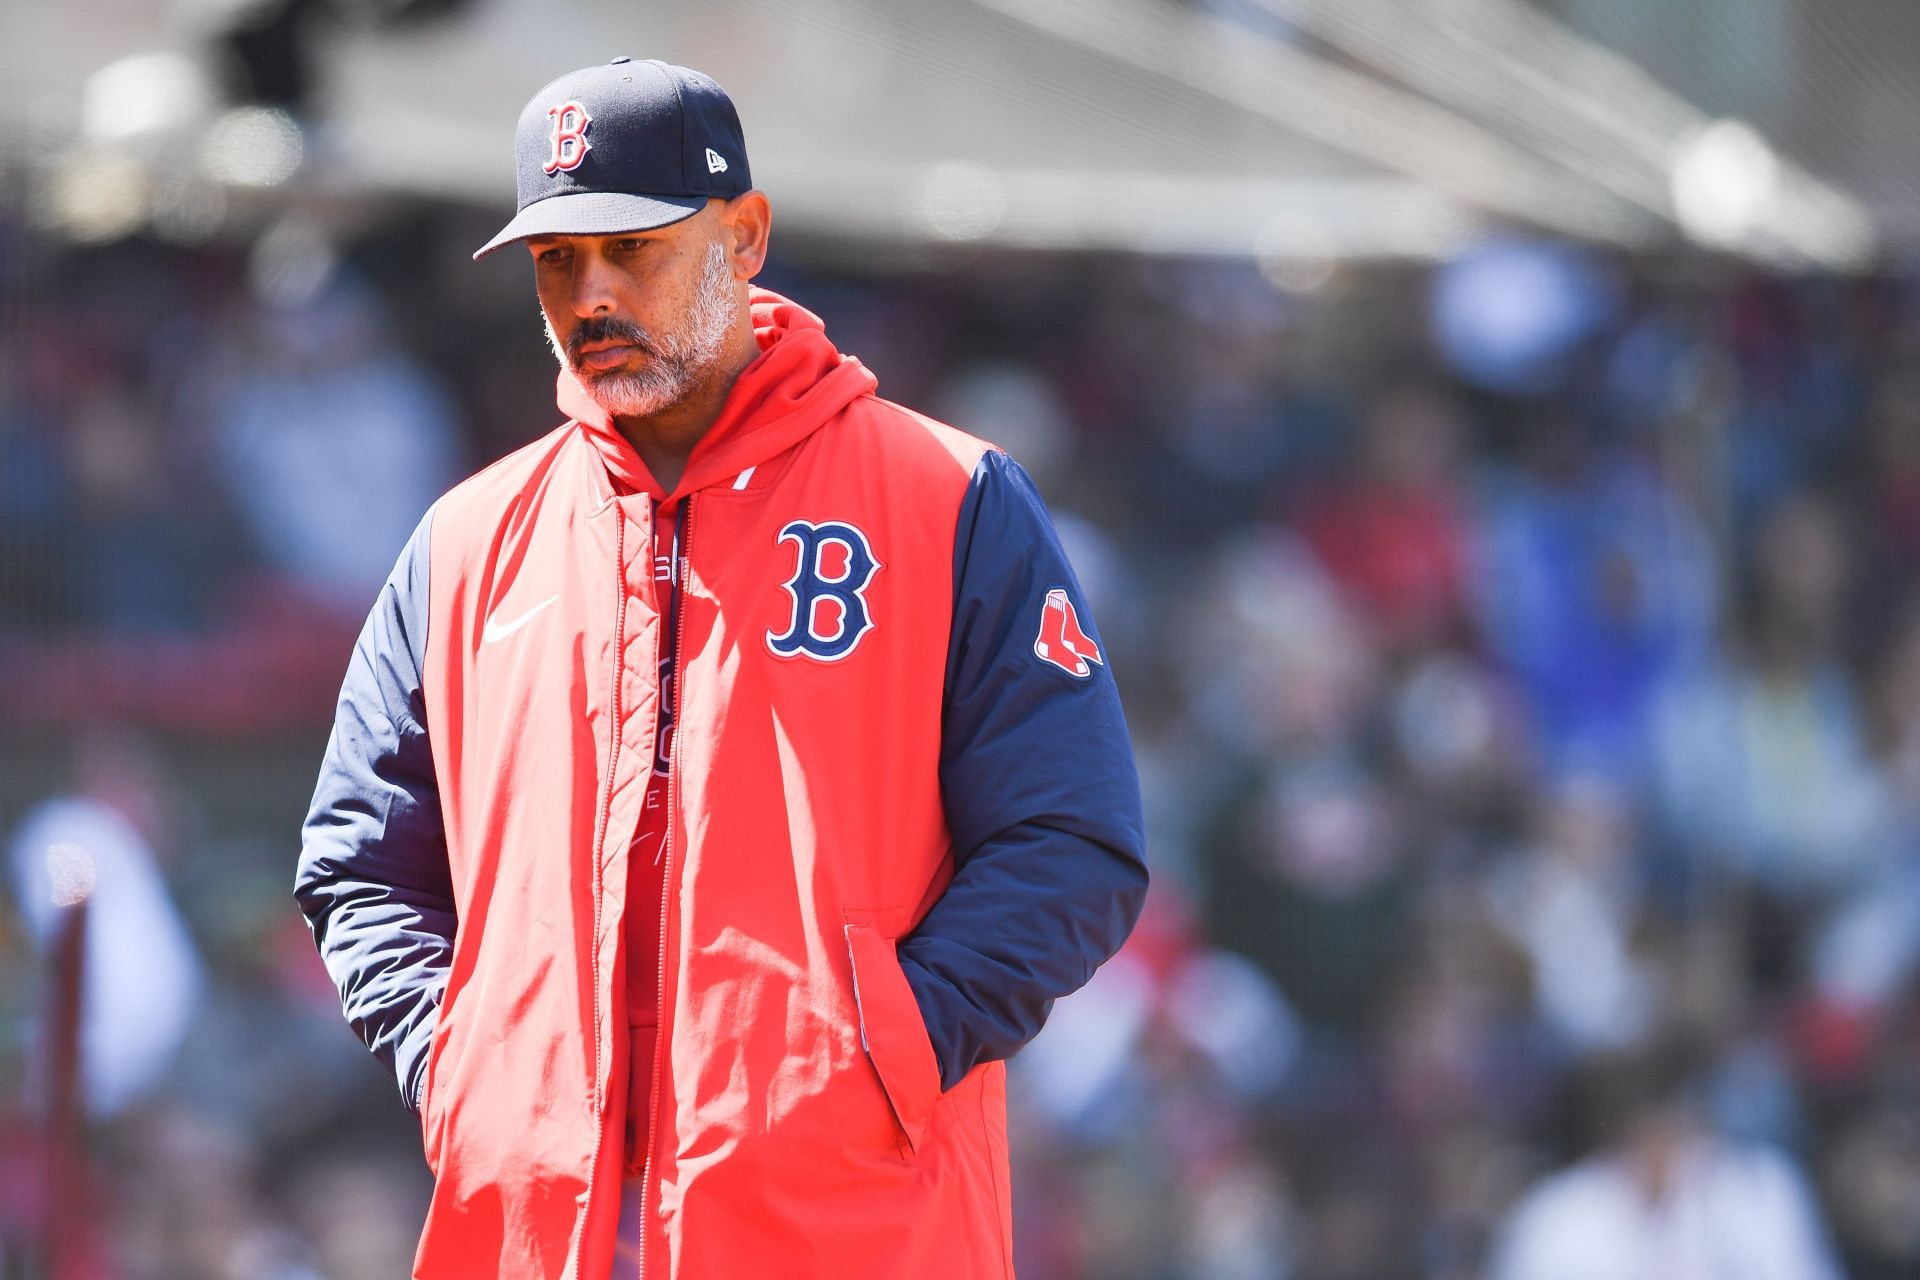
627,244
552,256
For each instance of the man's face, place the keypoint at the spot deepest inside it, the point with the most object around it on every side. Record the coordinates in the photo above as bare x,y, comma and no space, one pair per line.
640,318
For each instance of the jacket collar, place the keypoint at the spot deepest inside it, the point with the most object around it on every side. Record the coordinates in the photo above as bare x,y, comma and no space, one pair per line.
791,389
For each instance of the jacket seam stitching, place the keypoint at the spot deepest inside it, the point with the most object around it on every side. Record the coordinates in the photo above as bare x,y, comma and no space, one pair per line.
599,860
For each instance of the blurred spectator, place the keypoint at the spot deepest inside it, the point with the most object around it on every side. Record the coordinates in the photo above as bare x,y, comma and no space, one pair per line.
1663,1196
331,442
1873,1177
1274,661
1145,1083
1763,753
141,971
1595,586
1394,535
1571,901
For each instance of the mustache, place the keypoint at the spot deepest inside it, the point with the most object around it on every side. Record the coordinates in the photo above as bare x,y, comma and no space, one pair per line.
607,329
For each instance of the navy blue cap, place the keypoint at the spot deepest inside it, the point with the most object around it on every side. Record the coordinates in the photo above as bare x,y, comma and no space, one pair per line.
624,147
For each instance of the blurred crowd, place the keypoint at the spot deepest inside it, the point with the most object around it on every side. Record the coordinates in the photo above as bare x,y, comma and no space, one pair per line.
1522,654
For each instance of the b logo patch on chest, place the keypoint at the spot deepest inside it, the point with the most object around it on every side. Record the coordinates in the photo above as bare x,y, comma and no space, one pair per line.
1061,641
835,565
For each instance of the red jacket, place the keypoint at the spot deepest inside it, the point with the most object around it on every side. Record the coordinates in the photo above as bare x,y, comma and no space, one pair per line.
902,820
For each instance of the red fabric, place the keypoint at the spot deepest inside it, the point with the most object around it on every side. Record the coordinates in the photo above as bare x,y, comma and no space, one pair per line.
1398,555
643,881
801,1125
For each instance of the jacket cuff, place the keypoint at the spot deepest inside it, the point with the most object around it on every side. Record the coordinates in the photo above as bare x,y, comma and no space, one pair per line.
410,1061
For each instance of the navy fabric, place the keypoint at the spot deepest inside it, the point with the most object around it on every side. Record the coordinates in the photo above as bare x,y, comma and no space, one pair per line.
647,143
373,878
1041,795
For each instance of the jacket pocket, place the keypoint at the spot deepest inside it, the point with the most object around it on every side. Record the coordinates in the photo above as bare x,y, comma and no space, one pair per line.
892,1032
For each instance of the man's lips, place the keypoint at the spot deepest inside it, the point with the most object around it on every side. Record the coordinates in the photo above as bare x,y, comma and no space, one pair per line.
607,355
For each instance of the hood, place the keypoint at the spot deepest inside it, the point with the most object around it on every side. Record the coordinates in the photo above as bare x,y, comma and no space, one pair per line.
797,382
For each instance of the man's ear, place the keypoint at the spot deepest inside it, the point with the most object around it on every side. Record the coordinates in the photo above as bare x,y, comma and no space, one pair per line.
747,221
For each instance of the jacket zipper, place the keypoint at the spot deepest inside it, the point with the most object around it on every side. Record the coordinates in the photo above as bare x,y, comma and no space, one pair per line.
675,583
606,819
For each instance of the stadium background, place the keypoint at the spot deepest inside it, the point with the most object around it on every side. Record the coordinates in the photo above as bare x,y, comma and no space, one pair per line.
1490,434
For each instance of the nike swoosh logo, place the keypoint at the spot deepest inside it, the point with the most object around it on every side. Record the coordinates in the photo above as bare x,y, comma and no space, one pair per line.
495,630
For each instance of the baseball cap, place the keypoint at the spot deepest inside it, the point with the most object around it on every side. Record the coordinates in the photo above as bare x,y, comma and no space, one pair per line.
623,147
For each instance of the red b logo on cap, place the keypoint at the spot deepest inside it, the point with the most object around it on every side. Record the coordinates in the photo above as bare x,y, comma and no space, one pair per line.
569,137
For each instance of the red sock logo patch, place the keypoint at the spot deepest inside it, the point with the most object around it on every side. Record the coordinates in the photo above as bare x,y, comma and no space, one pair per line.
1061,641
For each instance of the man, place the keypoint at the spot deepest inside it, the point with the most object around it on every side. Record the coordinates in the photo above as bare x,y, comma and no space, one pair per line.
725,783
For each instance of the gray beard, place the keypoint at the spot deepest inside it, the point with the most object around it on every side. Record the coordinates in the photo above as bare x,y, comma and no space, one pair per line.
678,362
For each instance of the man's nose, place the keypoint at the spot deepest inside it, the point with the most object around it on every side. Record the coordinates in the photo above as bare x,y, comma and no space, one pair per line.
593,286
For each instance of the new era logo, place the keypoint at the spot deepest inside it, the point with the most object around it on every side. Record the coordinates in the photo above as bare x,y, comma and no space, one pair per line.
716,163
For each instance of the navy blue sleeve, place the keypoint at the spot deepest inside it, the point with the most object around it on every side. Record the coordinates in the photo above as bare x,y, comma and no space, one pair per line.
1040,790
373,879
